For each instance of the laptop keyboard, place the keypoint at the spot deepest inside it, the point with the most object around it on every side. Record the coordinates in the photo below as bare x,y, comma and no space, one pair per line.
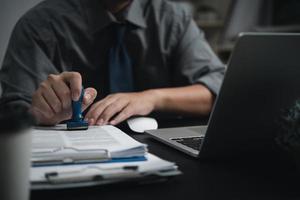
192,142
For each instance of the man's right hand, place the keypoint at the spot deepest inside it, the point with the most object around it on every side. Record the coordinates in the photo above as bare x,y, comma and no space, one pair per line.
52,102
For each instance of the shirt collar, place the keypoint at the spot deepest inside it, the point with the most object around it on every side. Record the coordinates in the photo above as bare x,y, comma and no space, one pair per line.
99,18
136,14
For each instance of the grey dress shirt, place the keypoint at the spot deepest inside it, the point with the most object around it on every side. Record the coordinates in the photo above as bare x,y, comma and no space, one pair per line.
164,43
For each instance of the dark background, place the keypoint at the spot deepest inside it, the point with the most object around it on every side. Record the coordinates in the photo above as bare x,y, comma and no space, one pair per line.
221,20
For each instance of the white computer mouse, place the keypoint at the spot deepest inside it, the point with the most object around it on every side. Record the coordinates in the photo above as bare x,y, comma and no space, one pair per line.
142,124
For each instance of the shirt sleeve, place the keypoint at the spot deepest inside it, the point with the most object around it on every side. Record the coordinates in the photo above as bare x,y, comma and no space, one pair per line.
195,60
26,63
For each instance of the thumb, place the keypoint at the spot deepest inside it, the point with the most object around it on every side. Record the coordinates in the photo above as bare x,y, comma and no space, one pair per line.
90,95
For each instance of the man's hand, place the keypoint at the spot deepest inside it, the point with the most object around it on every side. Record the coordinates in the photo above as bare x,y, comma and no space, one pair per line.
118,107
51,103
193,100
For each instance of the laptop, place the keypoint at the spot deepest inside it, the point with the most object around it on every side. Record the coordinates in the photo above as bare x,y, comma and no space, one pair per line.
262,80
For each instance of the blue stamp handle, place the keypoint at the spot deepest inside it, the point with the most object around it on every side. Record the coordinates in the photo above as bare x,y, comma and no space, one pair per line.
77,122
77,108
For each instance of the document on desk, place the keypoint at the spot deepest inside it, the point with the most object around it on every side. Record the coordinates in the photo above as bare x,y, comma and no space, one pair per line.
58,146
83,175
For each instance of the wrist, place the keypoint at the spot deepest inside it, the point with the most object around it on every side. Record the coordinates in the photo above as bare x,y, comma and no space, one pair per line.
157,98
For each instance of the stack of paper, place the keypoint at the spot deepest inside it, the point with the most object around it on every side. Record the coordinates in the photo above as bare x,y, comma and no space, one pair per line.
71,176
100,155
59,146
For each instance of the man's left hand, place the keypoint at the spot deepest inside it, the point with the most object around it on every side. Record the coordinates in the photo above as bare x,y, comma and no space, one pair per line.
118,107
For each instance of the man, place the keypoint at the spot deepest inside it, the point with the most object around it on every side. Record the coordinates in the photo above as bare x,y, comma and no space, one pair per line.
140,55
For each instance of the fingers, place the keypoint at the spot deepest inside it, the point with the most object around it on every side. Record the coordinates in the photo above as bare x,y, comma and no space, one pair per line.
105,110
50,97
40,104
63,92
52,101
110,111
98,108
75,83
122,116
89,96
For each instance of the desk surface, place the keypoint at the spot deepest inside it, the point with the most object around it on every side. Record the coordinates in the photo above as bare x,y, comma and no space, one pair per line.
267,178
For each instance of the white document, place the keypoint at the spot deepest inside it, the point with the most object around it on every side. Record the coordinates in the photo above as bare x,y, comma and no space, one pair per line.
58,140
70,175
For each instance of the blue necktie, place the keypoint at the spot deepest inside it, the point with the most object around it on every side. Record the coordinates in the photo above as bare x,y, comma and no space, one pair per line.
120,66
